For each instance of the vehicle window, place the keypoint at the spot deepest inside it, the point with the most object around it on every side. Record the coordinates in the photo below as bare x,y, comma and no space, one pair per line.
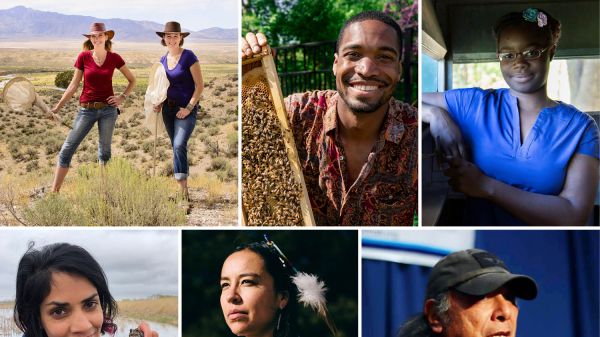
573,81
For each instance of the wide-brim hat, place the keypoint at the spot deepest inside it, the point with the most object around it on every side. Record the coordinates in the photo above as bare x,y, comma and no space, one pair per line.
477,272
172,27
99,27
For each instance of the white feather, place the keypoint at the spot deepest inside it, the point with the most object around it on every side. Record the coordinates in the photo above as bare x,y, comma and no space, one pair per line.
311,292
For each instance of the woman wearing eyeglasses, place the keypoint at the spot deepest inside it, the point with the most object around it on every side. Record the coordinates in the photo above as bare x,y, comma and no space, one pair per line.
520,157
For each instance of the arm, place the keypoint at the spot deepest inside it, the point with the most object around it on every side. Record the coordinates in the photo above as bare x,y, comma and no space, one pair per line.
445,132
198,88
71,89
571,207
117,100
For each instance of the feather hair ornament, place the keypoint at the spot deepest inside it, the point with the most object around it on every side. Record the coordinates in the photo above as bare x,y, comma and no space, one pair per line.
311,291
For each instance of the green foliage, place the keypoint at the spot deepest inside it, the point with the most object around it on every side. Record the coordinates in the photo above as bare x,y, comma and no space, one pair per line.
63,79
232,143
217,164
114,195
53,210
301,21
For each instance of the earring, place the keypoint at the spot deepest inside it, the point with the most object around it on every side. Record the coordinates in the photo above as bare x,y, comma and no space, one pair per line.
278,320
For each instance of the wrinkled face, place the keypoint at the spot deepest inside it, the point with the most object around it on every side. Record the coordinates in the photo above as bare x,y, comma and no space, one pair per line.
72,309
98,40
172,39
494,315
367,66
248,297
521,75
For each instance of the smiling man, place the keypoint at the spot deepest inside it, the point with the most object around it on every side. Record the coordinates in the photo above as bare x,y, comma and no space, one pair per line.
470,293
357,144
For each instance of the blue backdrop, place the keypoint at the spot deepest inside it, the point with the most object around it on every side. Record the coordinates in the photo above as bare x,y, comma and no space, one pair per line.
565,265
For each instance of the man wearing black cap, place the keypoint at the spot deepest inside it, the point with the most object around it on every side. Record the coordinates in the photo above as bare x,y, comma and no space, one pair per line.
471,293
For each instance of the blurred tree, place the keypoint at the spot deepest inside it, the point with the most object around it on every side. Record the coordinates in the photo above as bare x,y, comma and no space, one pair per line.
299,21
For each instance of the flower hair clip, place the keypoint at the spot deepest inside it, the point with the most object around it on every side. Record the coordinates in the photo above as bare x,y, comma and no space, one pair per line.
534,15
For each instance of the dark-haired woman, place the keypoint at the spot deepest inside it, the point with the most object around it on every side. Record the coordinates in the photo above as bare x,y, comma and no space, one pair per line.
532,160
181,108
98,103
260,292
62,292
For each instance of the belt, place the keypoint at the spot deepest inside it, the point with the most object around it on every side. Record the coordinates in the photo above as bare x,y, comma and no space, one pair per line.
172,103
93,105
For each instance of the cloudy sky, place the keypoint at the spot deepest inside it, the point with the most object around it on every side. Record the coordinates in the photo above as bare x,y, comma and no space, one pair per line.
193,14
138,264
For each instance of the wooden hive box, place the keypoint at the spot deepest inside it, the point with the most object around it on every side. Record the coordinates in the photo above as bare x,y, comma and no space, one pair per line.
273,188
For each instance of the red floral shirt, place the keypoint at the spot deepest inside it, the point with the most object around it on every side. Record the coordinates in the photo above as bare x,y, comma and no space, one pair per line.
385,192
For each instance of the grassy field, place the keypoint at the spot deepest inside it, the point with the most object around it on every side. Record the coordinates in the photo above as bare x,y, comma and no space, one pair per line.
29,142
163,309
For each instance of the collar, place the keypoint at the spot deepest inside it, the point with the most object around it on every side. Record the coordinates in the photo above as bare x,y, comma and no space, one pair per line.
393,127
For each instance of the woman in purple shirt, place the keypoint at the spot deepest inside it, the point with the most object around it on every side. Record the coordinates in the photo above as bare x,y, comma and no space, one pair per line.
526,159
181,107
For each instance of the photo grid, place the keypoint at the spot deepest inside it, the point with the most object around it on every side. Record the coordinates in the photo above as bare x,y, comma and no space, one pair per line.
283,168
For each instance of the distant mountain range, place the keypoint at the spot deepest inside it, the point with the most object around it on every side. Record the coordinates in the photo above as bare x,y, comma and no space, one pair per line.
21,24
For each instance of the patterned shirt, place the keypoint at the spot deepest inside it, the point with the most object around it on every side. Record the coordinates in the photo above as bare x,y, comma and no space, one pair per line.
385,192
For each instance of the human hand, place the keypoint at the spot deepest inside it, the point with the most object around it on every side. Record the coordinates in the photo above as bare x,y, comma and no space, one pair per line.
467,178
148,332
115,100
253,44
182,113
447,135
158,108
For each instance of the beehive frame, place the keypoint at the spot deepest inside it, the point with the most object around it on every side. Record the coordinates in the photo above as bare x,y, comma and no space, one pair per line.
266,64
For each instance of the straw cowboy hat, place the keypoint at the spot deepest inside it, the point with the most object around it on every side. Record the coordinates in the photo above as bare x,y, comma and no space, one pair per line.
99,27
172,27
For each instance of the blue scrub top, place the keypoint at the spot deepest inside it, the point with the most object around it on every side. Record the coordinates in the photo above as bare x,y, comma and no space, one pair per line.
490,125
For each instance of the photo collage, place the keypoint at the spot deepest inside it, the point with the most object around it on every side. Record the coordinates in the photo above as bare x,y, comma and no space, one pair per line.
300,168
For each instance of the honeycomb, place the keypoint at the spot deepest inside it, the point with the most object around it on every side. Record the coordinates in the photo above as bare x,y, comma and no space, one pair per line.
270,192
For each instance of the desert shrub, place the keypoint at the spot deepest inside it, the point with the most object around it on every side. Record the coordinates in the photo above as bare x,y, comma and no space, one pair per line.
212,148
202,136
63,79
217,164
227,174
31,154
120,195
53,145
32,166
130,147
213,131
53,210
135,122
148,147
232,144
168,170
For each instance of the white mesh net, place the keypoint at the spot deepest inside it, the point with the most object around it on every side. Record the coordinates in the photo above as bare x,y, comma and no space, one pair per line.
156,93
19,94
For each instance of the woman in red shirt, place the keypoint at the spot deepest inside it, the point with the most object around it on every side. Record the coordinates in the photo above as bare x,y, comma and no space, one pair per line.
98,103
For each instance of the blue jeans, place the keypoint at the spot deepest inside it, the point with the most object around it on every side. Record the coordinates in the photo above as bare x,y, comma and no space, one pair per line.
179,131
84,121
